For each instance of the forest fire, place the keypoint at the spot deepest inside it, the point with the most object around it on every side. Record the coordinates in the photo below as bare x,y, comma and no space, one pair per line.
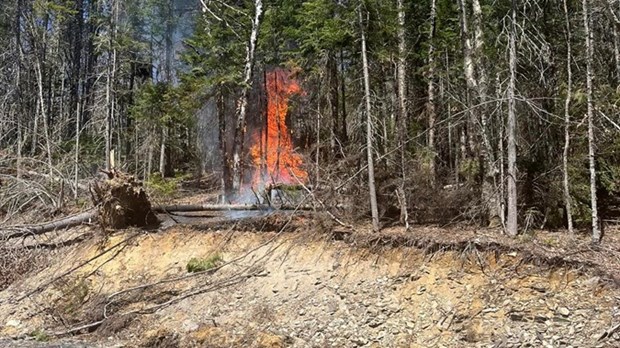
272,151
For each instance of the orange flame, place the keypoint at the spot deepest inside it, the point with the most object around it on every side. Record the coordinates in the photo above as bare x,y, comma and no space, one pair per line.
272,150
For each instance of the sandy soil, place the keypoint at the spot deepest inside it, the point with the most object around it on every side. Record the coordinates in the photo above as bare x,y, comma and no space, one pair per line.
307,288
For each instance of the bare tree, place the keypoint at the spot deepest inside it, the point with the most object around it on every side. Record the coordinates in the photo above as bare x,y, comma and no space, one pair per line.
110,78
401,68
596,231
430,107
248,73
490,191
468,69
511,220
569,86
369,142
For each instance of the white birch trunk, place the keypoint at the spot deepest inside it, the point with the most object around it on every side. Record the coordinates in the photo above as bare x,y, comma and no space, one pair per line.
470,79
248,72
569,87
76,159
431,92
369,143
511,223
402,109
162,151
596,231
48,147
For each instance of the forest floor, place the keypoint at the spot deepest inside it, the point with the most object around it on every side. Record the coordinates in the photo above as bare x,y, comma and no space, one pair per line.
301,280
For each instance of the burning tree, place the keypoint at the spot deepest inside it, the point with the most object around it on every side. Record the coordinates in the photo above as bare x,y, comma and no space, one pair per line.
272,151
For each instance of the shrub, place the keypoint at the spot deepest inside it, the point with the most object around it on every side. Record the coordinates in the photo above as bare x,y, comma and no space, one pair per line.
203,264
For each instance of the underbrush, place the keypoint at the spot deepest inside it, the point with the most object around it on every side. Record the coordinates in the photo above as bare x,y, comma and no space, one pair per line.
16,263
203,264
165,188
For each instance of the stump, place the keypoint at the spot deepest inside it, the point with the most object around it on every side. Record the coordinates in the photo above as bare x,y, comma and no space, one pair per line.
122,201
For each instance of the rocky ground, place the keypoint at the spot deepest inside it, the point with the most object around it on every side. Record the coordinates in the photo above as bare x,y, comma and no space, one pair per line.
314,286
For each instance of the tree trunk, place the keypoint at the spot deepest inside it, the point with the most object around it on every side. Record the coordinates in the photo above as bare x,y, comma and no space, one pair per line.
162,151
369,137
76,163
616,43
431,92
110,86
569,86
401,68
596,231
30,230
44,115
511,223
500,151
243,102
343,111
470,79
490,190
332,71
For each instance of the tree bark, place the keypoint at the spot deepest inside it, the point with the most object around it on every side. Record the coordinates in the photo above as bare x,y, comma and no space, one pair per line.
334,103
431,110
162,151
111,75
369,136
48,146
243,102
490,190
569,86
401,68
30,230
470,79
596,231
511,223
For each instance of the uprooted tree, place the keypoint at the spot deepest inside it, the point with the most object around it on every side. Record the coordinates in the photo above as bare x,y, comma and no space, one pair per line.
121,201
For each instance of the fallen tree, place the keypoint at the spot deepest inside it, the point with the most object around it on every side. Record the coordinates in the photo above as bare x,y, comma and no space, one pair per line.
225,207
120,201
37,229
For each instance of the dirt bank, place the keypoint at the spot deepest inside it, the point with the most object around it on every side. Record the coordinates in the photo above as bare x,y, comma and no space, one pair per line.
303,289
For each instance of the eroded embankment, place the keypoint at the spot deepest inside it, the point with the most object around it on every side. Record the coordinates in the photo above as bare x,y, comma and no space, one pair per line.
306,289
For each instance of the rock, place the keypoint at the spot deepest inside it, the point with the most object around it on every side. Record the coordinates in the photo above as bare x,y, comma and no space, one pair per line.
592,281
190,325
13,323
394,308
564,311
360,341
302,312
376,322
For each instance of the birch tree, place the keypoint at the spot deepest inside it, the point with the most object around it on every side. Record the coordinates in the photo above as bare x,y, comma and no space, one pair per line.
596,231
401,68
369,132
511,129
248,73
431,110
569,88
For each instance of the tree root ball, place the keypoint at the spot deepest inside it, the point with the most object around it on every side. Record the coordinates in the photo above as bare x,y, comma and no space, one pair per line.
122,201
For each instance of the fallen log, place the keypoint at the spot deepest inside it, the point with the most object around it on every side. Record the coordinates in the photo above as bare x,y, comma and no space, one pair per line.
92,215
37,229
224,207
